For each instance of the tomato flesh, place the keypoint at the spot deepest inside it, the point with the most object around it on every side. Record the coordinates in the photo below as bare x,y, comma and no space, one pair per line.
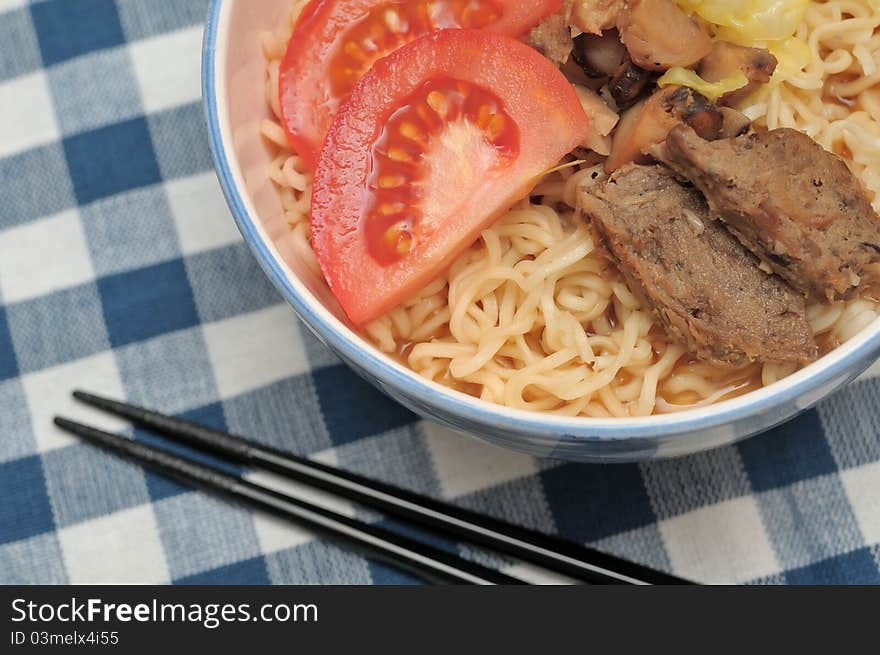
335,42
399,182
436,141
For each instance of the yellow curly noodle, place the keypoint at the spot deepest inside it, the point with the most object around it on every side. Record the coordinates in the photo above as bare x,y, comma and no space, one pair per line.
531,316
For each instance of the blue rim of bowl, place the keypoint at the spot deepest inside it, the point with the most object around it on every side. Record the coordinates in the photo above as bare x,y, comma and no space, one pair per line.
542,428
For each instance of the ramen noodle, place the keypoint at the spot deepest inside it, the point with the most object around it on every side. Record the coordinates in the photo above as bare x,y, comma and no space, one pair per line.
533,317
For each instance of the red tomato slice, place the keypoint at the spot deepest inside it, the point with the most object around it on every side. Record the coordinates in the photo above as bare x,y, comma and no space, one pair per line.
336,41
435,142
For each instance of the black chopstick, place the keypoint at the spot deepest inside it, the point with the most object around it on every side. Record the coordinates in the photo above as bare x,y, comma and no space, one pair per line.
431,563
570,559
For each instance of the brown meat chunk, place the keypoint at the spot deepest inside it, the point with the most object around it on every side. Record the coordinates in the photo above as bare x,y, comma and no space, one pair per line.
795,205
659,35
727,59
705,288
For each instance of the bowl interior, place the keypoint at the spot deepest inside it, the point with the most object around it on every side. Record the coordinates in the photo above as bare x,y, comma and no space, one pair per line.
245,101
236,100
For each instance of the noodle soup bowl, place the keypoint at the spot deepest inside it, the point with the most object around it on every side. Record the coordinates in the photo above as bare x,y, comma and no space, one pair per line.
235,104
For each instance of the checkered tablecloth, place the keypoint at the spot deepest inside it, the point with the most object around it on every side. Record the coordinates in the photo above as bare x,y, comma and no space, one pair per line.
121,272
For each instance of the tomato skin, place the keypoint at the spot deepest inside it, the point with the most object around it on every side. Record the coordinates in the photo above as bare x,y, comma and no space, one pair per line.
544,106
308,103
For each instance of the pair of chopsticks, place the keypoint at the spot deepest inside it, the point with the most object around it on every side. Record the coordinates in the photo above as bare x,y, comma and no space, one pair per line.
425,561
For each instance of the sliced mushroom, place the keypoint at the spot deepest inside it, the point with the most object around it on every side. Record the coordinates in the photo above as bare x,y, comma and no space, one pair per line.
647,123
595,16
599,56
699,113
659,35
727,59
633,130
734,123
628,82
602,120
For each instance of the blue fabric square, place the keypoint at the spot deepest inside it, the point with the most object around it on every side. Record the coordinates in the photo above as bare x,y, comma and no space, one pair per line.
200,532
247,572
110,160
16,433
171,372
37,560
519,501
180,139
141,19
147,302
42,185
794,451
39,340
216,299
857,567
353,408
20,52
69,29
809,521
85,482
852,424
25,511
95,90
161,487
398,455
286,415
130,230
8,362
592,502
317,562
683,484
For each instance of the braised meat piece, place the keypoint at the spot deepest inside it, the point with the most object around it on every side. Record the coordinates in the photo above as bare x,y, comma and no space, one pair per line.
703,285
792,203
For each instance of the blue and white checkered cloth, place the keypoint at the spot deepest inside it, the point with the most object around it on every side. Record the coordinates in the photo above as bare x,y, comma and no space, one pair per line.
121,272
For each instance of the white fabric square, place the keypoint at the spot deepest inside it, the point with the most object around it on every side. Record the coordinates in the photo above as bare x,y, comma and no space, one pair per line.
465,465
28,114
254,350
168,68
862,487
48,395
872,372
64,259
722,543
8,5
120,548
202,218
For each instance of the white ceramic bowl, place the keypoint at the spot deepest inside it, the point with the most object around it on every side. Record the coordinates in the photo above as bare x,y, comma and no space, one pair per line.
233,71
